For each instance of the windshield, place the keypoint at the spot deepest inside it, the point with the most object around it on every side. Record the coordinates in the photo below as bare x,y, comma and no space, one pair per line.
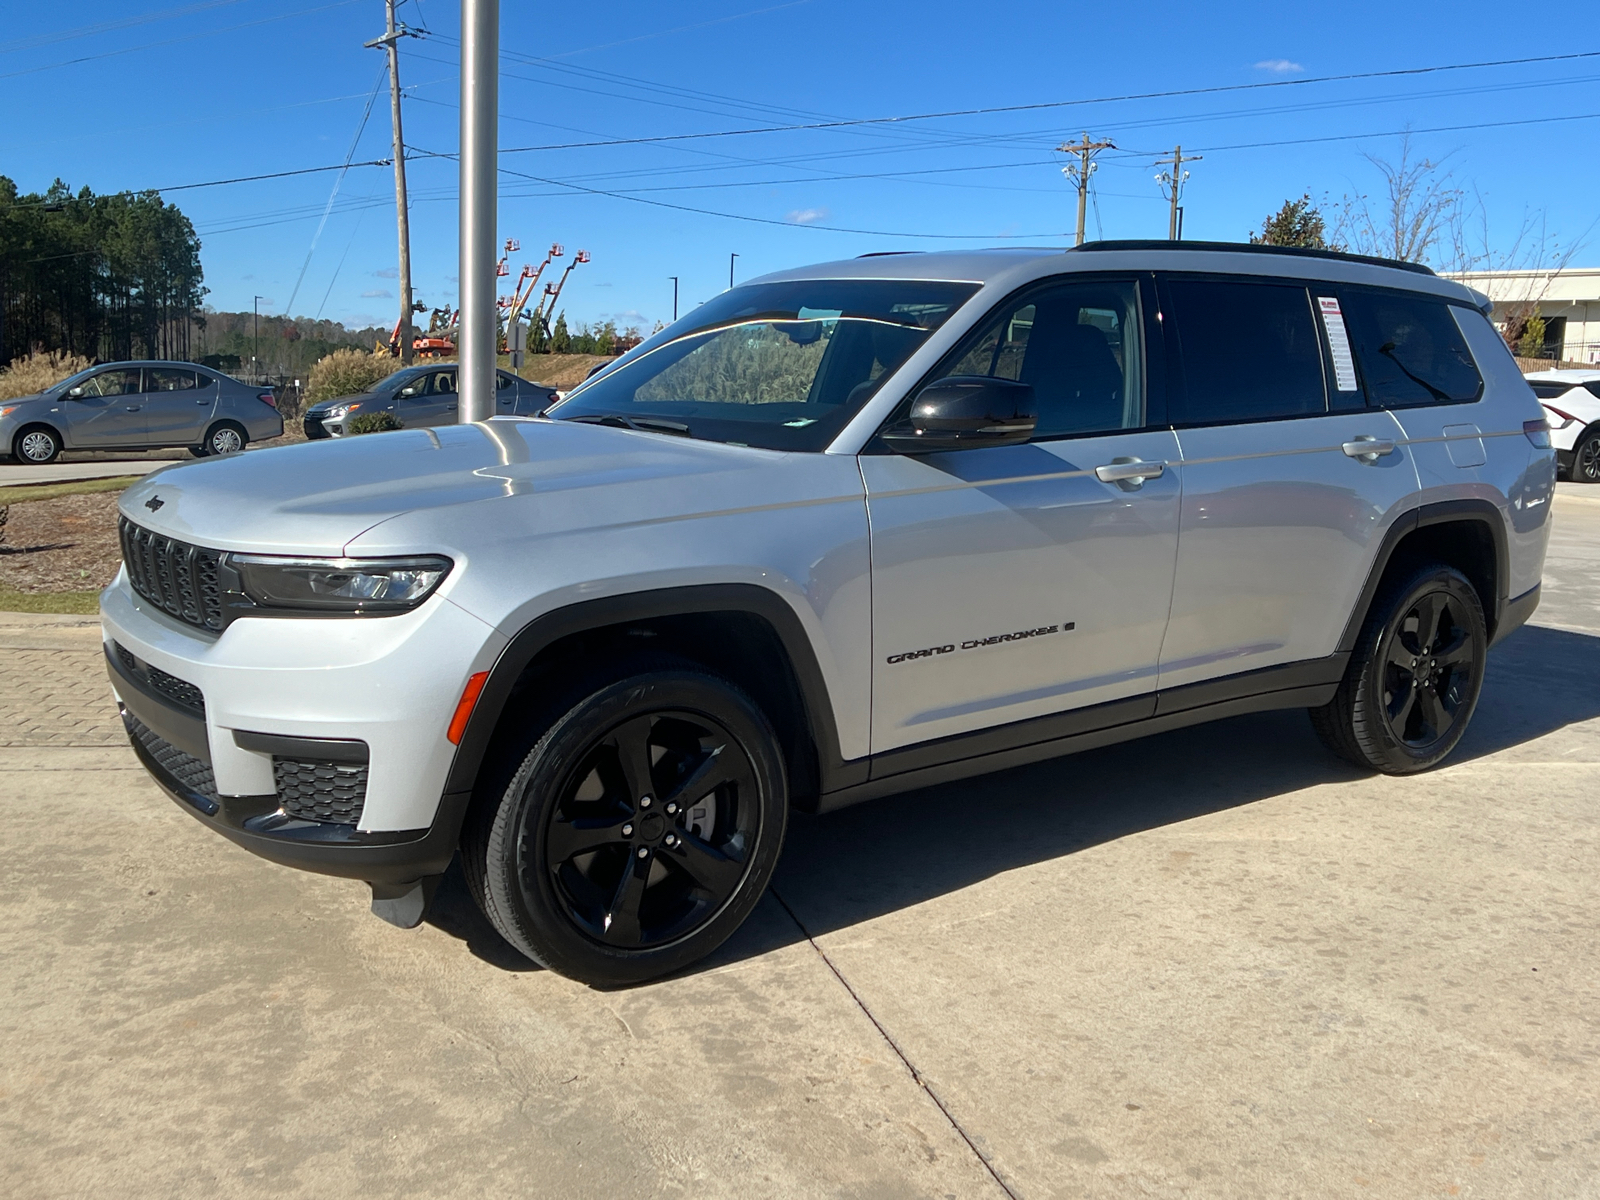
778,365
72,381
395,381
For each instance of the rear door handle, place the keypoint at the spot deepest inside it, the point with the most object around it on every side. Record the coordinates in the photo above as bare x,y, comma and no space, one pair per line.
1369,449
1131,472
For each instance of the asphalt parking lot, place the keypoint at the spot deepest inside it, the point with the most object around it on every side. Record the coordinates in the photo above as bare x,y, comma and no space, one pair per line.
1216,963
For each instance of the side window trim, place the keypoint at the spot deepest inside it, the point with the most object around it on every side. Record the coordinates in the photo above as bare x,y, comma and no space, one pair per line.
1152,348
1178,413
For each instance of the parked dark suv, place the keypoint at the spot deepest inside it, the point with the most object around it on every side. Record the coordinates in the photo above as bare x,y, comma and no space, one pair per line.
421,396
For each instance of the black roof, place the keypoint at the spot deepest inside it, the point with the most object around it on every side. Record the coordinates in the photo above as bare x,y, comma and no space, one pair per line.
1253,248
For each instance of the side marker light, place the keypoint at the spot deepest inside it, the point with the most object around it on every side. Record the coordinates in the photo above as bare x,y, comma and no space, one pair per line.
469,699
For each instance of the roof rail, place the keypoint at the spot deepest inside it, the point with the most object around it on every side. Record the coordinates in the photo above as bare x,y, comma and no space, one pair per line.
1253,248
884,253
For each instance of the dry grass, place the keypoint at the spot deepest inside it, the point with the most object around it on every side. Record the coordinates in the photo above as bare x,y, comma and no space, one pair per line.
37,371
64,545
560,371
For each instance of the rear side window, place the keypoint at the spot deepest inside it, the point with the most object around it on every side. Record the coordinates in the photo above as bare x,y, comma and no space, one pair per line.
1250,351
1549,391
168,379
1410,349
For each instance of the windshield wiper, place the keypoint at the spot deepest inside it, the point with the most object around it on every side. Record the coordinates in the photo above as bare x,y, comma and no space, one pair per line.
644,424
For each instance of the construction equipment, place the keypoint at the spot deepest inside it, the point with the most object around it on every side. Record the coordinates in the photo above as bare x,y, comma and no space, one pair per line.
516,304
552,293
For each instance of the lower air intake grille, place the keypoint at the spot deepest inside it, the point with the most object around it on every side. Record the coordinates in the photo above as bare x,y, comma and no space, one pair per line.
188,770
320,790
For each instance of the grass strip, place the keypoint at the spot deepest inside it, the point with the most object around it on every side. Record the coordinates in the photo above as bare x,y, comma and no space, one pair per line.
21,493
81,603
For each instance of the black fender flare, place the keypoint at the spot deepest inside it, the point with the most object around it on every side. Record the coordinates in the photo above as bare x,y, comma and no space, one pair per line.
1442,513
549,628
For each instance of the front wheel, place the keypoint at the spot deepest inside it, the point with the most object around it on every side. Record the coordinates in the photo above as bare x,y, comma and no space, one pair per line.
37,446
1414,678
638,832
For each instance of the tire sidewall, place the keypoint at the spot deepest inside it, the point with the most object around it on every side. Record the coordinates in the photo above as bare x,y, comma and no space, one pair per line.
545,933
1393,755
1591,436
19,456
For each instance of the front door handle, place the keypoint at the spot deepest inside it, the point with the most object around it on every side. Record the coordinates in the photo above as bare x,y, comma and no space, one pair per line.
132,408
1129,473
1368,449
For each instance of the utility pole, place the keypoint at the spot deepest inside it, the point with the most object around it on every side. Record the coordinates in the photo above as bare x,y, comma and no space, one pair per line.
389,41
255,340
1172,182
1079,172
480,116
731,257
674,279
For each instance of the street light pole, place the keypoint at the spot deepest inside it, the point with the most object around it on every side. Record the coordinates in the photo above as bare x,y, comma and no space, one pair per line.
674,279
480,114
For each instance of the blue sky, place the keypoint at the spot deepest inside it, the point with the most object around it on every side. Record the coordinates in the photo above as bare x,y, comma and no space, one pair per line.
179,92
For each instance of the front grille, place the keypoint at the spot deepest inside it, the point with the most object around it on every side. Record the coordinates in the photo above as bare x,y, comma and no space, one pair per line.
180,691
188,770
312,424
321,791
179,578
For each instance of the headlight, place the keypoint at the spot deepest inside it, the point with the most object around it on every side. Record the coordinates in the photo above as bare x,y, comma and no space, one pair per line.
347,585
8,409
340,411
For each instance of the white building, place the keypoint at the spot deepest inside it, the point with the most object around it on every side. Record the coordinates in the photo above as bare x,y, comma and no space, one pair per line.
1569,302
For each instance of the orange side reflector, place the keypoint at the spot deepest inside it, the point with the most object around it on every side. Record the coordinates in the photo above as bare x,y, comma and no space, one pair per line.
469,698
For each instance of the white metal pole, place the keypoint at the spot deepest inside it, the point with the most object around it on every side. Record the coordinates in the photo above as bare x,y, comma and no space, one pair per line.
480,115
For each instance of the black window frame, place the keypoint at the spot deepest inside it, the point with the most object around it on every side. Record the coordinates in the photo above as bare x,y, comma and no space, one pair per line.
1179,391
1354,289
1152,347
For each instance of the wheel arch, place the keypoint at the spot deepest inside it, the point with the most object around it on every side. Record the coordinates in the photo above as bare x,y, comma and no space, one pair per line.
54,430
744,632
1469,535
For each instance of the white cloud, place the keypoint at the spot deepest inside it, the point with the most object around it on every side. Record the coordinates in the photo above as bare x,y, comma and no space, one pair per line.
378,294
1279,66
805,216
387,273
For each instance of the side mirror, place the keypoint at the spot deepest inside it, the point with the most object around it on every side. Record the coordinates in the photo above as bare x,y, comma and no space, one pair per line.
963,412
406,393
74,393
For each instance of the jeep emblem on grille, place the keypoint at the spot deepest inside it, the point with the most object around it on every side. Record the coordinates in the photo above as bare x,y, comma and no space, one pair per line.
154,503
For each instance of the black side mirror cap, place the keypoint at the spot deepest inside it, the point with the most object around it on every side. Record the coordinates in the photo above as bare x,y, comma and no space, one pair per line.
963,412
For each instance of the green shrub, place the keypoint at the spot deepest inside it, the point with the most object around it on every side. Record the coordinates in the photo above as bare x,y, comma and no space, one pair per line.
376,422
346,372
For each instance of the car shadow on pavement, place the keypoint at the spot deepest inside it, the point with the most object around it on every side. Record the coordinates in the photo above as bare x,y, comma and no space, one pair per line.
851,866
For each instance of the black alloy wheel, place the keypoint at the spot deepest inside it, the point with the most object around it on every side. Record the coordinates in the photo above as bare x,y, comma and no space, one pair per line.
1430,666
639,830
1414,677
1586,458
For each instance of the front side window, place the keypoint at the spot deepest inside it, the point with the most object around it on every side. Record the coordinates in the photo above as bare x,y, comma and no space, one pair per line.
168,379
121,381
1411,350
778,365
1250,351
1078,345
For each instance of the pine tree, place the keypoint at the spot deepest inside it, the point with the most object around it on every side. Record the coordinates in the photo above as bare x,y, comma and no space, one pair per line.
561,337
1297,223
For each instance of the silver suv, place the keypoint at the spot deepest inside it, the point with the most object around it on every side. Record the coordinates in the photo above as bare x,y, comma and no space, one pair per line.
139,406
843,531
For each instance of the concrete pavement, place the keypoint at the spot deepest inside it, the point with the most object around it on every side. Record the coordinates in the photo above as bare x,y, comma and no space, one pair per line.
12,473
1212,964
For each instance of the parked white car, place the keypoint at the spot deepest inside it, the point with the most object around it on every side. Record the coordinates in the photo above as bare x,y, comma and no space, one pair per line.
1572,398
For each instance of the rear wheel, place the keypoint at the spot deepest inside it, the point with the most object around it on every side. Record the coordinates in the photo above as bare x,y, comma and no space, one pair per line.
225,437
639,830
1586,457
37,446
1414,677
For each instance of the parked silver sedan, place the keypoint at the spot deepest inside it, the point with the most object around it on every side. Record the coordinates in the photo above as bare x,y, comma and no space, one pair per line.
139,406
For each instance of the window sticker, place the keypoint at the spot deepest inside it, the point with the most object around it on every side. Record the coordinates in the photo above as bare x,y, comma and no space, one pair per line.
1344,366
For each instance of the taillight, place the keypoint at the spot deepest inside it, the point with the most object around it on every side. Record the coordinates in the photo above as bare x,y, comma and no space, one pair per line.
1538,432
268,398
1566,417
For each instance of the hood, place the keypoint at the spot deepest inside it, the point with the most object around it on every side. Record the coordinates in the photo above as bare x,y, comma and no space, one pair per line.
317,497
33,399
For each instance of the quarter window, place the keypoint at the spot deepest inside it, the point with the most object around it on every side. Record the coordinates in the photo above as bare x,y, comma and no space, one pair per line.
1078,344
1250,351
1411,350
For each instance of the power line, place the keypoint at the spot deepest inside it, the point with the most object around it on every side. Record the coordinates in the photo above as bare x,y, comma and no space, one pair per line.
1052,104
67,35
188,37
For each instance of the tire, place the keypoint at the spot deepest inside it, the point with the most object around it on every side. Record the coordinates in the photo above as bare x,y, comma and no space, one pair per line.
198,451
1408,693
225,437
1586,457
637,830
36,446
